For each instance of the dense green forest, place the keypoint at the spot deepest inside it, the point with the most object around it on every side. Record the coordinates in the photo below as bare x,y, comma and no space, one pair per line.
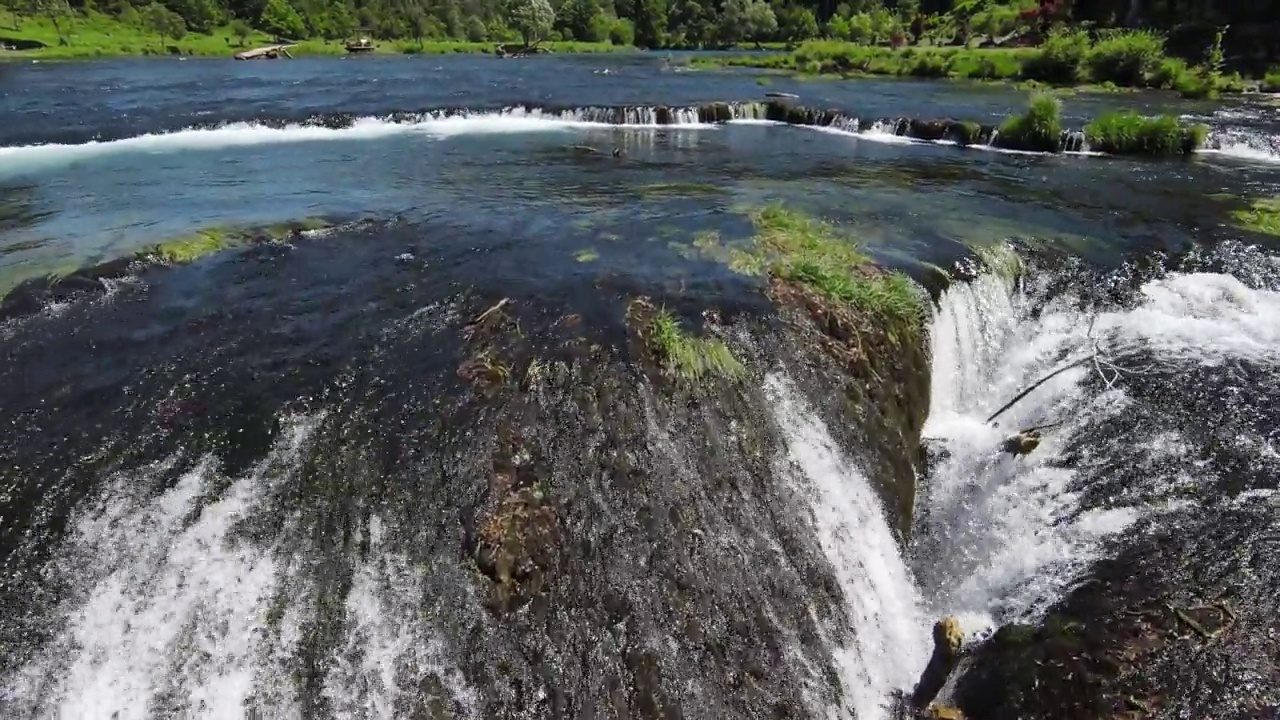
651,23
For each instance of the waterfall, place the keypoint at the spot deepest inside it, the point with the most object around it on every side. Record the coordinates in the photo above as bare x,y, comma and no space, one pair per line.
890,640
1000,537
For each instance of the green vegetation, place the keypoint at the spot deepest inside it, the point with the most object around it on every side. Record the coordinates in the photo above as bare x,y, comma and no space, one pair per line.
1271,83
796,248
1128,133
587,255
97,35
201,243
1262,216
204,26
687,357
1066,57
1038,129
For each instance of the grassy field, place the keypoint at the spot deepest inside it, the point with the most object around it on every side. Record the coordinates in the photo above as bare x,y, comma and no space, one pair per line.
101,36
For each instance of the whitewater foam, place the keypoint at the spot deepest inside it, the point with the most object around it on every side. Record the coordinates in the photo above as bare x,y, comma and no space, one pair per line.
171,614
1001,537
890,638
247,134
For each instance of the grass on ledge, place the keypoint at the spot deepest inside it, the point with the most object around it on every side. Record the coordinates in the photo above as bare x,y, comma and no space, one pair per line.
1262,216
797,248
1128,133
1038,129
688,357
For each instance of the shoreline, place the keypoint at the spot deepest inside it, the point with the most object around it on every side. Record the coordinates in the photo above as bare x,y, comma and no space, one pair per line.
1014,66
205,49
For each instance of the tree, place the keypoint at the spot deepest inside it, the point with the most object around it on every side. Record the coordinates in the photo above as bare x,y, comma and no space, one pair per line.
165,22
280,19
746,20
417,18
580,20
532,19
241,30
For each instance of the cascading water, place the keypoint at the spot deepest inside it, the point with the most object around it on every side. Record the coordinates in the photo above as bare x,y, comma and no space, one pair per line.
890,637
997,536
1001,536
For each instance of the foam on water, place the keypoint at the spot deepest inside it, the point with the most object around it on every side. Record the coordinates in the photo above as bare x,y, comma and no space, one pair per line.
507,122
390,647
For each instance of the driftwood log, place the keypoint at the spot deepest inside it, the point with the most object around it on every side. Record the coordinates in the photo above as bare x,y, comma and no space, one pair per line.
270,52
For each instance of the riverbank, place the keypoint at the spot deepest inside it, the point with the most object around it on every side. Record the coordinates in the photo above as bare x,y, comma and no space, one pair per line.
96,36
1134,60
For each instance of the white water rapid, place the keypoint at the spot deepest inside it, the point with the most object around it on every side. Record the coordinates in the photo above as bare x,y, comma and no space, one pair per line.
891,640
1001,537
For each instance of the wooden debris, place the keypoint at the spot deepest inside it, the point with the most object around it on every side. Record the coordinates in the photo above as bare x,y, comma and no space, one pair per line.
270,52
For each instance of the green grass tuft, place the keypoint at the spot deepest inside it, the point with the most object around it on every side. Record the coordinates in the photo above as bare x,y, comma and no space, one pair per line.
797,248
1271,83
688,357
1039,128
1262,216
1128,133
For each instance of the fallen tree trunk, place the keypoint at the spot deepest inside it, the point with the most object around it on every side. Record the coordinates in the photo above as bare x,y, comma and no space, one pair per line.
269,52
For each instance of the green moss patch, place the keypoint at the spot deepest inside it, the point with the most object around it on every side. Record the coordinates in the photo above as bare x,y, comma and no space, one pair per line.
189,248
1262,216
689,357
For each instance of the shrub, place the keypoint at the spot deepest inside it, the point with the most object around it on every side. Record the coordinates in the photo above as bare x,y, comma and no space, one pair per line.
1170,73
1271,83
1039,128
1061,59
1126,58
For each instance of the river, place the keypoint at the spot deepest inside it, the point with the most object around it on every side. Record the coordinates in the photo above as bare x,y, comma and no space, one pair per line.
147,580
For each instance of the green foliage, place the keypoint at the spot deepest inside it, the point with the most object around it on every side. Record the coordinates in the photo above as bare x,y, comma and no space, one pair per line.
1038,129
1061,58
533,19
688,357
1126,58
1271,83
165,22
946,26
751,20
1128,133
280,18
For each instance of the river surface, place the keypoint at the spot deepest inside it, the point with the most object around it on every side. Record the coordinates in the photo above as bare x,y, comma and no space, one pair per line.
306,573
97,159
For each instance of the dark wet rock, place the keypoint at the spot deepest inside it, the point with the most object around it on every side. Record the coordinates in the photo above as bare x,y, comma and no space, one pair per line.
966,269
882,399
586,536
